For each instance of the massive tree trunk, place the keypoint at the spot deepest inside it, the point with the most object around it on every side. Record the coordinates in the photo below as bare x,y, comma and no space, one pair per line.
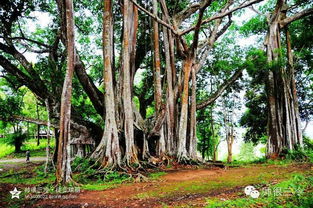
170,116
228,109
63,173
183,123
108,149
284,123
274,123
131,151
112,151
295,116
157,77
120,111
170,122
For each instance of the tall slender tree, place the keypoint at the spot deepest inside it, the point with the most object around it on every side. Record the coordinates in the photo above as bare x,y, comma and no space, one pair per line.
63,173
112,152
157,76
109,148
130,151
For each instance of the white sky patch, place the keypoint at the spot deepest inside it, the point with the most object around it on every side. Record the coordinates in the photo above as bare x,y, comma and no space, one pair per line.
246,42
309,130
42,20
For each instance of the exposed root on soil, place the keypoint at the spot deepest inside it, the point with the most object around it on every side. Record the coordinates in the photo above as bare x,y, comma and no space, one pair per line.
139,171
69,181
140,178
185,160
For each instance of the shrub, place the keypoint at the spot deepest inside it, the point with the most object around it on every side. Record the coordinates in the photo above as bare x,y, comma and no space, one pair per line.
81,164
17,140
304,154
307,143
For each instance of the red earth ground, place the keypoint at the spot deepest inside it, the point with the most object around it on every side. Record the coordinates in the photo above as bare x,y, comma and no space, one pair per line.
172,190
178,188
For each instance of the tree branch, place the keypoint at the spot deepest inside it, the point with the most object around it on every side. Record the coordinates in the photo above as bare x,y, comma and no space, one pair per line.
256,11
184,14
23,61
220,90
28,48
209,42
158,122
27,39
197,27
154,17
225,27
33,120
23,78
295,17
221,15
95,95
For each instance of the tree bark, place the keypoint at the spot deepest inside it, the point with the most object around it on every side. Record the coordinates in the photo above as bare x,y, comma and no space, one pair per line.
63,173
131,151
38,125
193,119
48,158
284,129
157,77
110,139
230,141
96,97
170,116
182,137
294,101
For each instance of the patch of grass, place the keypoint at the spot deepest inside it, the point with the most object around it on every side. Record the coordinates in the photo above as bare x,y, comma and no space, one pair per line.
264,161
98,187
241,202
27,176
20,178
33,153
143,195
156,175
110,180
6,149
88,174
256,176
294,192
31,144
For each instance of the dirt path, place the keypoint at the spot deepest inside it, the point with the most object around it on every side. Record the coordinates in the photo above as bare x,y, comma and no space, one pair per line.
18,160
187,188
19,163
